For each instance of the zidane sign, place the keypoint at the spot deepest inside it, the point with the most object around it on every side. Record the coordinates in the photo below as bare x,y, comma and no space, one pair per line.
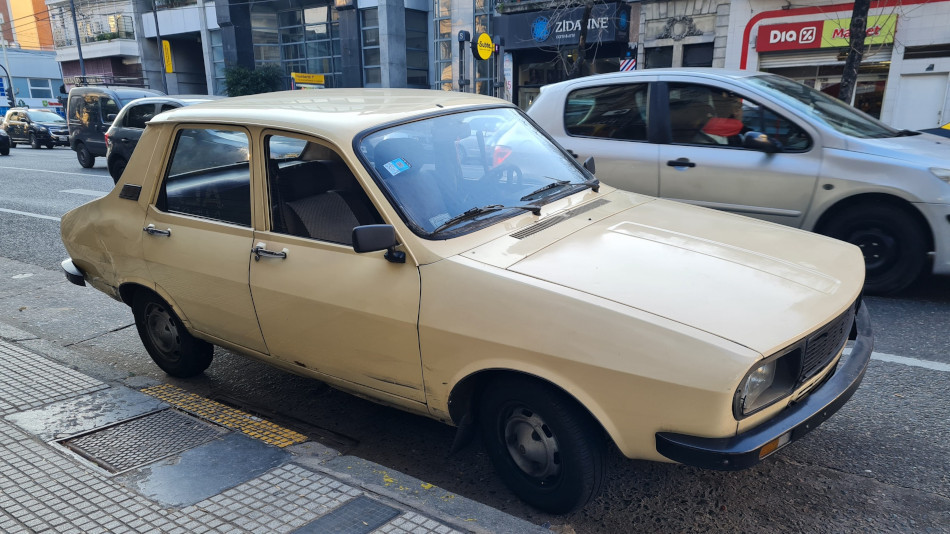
607,23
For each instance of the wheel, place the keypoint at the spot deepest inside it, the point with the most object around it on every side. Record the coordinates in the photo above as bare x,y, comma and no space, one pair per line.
117,168
545,446
50,145
5,151
34,142
167,341
893,243
86,159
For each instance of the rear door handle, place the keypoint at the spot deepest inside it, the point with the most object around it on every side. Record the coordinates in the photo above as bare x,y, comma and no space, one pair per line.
681,162
151,230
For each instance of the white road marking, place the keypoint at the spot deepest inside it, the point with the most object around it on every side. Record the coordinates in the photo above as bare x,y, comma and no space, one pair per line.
913,362
28,214
89,192
55,172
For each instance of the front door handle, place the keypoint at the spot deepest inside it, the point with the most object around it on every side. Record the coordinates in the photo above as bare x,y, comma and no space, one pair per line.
151,230
259,251
681,162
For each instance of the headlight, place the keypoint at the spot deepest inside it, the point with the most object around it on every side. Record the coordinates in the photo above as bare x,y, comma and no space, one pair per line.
767,383
943,174
41,129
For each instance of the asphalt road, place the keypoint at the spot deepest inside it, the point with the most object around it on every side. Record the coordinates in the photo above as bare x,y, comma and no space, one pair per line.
881,464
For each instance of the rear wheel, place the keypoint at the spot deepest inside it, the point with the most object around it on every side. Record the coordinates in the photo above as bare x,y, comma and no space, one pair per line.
50,145
543,444
86,159
5,151
116,168
893,243
167,341
34,142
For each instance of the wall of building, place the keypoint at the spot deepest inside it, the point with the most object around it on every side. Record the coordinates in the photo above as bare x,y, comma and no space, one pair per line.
36,78
31,23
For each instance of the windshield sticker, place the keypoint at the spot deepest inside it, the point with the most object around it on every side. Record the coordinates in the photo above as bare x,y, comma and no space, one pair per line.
397,166
439,219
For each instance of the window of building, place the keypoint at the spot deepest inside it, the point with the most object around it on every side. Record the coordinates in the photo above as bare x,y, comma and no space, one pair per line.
658,57
444,41
609,112
698,55
484,69
299,40
217,58
369,38
417,49
209,176
40,88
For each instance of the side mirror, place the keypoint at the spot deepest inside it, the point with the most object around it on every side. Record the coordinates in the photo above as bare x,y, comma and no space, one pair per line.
761,142
111,117
374,237
589,165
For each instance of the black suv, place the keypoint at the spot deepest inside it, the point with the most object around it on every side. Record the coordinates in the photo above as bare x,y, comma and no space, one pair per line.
90,111
38,127
129,124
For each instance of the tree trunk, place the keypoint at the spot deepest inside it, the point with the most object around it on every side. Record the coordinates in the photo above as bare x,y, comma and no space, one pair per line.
856,48
580,62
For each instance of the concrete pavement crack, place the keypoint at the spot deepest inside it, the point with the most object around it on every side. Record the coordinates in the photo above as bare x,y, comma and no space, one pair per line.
98,335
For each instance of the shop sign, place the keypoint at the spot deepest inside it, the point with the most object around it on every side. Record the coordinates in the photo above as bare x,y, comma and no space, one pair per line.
167,56
304,80
607,23
484,47
823,34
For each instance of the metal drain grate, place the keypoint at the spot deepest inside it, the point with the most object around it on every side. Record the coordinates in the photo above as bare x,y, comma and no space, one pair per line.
142,440
361,515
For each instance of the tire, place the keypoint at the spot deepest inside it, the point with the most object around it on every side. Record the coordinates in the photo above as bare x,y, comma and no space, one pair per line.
893,243
167,341
543,444
5,151
86,159
117,168
34,142
50,145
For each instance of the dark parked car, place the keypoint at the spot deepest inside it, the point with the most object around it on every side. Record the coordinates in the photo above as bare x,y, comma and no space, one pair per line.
129,124
4,143
38,127
90,110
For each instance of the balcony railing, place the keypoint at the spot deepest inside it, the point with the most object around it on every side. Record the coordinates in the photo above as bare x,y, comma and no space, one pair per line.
172,4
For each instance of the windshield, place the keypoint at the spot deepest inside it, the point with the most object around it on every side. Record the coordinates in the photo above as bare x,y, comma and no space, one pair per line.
454,174
823,108
45,116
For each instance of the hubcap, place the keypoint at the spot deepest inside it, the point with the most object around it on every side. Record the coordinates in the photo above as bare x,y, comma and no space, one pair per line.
163,331
532,445
879,248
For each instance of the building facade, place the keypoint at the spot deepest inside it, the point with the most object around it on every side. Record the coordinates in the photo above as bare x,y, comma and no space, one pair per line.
36,79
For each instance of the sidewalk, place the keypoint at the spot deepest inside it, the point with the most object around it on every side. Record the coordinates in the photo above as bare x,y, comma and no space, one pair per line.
78,455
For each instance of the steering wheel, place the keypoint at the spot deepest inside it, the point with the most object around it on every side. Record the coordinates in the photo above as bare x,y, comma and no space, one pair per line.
509,171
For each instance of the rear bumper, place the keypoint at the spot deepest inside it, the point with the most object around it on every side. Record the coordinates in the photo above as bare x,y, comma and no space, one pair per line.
73,274
746,449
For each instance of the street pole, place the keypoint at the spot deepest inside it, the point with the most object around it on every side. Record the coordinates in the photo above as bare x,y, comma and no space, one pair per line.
3,41
158,41
82,65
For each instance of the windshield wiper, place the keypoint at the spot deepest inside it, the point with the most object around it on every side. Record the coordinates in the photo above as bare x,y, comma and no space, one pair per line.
907,133
556,184
472,213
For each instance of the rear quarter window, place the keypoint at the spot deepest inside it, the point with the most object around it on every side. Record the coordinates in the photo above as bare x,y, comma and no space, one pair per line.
608,112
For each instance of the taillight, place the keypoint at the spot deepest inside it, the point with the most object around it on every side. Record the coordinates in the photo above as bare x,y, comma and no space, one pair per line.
107,139
501,154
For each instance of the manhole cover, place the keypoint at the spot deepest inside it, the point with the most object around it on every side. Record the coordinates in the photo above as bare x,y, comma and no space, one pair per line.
142,440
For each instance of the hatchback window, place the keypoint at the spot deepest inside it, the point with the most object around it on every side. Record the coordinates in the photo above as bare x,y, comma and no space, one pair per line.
609,112
209,176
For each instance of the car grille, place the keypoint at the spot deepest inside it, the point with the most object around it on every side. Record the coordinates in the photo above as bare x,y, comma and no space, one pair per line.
62,131
822,346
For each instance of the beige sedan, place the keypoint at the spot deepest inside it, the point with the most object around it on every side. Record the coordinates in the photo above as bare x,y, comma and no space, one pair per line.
385,242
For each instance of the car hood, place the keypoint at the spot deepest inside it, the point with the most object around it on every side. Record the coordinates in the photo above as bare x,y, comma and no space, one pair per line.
754,283
924,149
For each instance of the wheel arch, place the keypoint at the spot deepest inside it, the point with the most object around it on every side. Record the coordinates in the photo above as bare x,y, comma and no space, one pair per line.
852,202
466,393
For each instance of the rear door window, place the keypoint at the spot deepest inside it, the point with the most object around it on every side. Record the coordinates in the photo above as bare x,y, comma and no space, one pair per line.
138,115
209,176
608,112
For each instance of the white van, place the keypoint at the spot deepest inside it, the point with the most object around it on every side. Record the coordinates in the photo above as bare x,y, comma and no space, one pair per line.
762,145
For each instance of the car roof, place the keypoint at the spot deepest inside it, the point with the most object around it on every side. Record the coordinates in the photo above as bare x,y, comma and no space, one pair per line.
705,72
124,92
332,113
185,100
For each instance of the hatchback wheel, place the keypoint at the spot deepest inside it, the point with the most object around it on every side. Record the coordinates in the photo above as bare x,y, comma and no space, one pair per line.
543,444
892,241
34,142
167,341
86,159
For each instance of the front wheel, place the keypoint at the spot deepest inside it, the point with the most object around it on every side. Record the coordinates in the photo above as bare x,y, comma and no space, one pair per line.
167,341
86,159
543,444
892,241
34,142
5,151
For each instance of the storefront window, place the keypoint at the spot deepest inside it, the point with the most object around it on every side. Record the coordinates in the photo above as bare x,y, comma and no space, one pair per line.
442,22
659,57
869,88
698,55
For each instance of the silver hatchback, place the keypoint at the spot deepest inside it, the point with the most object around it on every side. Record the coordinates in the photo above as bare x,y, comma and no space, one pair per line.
764,146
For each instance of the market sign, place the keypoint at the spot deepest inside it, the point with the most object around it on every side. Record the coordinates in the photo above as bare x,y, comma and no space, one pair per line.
483,46
541,29
823,34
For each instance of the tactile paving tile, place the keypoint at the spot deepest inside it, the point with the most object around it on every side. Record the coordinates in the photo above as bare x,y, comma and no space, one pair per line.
143,440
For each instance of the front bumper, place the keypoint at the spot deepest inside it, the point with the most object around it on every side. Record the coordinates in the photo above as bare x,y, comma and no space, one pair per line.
73,274
749,448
